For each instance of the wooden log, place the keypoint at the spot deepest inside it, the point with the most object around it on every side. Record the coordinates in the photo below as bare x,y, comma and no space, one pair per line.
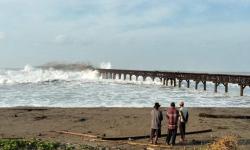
223,116
147,144
147,136
77,134
95,138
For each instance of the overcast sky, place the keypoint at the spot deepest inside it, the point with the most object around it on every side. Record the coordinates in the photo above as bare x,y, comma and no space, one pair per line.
197,35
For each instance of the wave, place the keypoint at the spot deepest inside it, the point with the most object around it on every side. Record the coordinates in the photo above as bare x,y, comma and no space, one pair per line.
50,74
67,66
30,74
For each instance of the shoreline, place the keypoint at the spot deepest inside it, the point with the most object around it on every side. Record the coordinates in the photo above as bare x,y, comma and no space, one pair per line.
38,122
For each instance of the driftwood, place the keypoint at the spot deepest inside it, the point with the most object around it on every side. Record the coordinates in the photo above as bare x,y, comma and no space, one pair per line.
77,134
223,116
147,144
147,136
97,139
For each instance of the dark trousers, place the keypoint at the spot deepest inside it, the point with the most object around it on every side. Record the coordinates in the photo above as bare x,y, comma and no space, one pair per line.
182,127
155,133
171,136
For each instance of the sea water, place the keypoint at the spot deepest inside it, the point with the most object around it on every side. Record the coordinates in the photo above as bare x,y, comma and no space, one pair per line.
32,86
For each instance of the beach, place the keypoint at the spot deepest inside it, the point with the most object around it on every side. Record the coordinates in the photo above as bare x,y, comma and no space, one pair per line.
45,123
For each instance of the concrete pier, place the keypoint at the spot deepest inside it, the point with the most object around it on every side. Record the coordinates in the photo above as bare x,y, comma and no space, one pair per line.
241,80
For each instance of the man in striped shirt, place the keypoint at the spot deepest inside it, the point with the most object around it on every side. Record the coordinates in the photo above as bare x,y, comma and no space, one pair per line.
172,120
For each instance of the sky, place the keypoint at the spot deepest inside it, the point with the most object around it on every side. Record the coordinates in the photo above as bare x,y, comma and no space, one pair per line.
180,35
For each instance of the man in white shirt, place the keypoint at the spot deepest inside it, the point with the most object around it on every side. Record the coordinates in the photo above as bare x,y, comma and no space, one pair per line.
183,119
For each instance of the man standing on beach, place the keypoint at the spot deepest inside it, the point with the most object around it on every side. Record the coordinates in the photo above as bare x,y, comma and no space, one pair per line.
183,119
172,120
156,116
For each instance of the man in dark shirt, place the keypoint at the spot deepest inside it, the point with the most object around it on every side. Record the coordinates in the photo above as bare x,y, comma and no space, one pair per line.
156,118
172,120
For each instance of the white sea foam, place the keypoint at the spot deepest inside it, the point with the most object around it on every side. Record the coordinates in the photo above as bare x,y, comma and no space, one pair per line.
33,86
35,75
105,65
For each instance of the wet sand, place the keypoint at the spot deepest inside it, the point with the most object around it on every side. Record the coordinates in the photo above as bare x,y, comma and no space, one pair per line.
40,123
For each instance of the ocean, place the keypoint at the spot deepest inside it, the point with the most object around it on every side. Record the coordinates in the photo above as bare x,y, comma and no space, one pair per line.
47,87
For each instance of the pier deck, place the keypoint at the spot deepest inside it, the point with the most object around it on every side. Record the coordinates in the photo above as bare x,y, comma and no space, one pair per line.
172,77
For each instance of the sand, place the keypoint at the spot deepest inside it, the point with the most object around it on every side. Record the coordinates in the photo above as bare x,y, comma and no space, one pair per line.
41,123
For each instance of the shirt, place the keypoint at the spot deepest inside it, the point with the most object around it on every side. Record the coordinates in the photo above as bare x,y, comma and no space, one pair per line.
183,114
172,117
156,116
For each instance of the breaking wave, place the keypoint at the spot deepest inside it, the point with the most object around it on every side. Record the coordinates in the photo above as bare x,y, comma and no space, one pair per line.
31,74
69,86
67,66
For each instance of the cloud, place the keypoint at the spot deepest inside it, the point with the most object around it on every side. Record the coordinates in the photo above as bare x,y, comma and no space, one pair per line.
110,28
61,38
2,36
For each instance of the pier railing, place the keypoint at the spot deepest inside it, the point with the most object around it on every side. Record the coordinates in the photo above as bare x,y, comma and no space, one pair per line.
172,77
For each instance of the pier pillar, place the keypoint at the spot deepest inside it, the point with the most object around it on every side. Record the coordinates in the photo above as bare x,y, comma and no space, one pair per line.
171,82
180,83
196,84
174,82
216,87
105,75
136,78
242,87
120,76
110,75
130,77
124,76
167,82
161,79
226,87
144,78
188,83
153,79
114,76
204,85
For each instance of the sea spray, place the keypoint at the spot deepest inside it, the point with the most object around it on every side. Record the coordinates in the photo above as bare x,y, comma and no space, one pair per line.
34,75
50,87
105,65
